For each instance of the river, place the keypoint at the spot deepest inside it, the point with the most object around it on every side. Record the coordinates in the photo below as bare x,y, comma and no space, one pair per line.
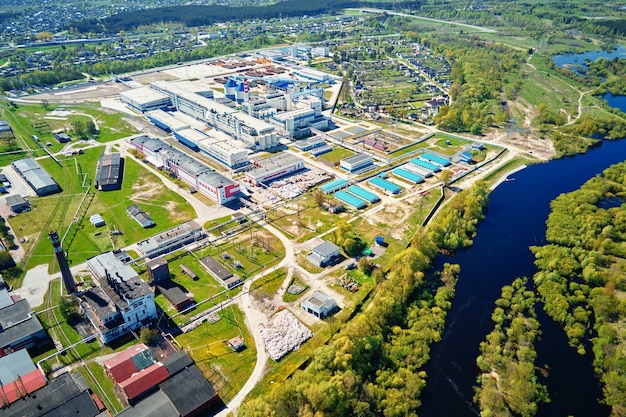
516,216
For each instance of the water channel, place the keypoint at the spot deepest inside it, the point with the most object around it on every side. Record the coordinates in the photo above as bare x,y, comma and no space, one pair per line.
515,220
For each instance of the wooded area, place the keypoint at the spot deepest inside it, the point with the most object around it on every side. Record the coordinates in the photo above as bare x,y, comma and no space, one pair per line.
581,278
373,366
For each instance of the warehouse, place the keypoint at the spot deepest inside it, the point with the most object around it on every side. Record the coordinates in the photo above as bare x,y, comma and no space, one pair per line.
351,200
426,173
274,167
311,143
109,172
385,185
427,165
333,186
323,254
172,239
36,177
363,194
140,216
356,162
166,121
435,159
144,99
190,137
220,273
408,175
17,203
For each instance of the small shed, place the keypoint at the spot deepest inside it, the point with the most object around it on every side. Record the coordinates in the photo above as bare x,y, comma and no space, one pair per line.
62,137
97,220
236,344
380,241
320,305
17,203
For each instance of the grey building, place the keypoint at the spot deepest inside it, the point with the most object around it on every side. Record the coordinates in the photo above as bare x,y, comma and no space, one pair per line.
320,305
19,326
172,239
323,254
219,272
109,172
140,216
17,203
36,177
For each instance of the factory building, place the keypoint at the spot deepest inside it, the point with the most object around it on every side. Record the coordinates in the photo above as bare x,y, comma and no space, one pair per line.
170,240
109,172
306,114
145,99
166,121
120,301
36,177
225,151
274,167
356,162
253,132
211,183
19,327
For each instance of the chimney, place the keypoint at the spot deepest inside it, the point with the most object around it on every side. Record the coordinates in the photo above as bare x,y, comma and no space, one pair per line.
66,274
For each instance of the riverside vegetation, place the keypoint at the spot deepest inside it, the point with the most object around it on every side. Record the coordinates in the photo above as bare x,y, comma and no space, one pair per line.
581,275
372,366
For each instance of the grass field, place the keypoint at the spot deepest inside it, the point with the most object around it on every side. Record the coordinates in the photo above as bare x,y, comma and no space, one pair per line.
226,370
337,154
56,212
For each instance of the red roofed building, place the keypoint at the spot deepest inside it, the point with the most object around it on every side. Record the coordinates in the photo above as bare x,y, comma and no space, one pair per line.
128,362
143,381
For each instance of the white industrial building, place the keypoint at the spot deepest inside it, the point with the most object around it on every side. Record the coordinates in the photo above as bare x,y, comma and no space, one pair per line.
274,167
305,113
356,162
228,152
120,301
206,180
144,99
253,132
172,239
166,121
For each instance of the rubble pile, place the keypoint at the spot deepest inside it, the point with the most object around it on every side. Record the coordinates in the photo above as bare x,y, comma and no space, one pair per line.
283,333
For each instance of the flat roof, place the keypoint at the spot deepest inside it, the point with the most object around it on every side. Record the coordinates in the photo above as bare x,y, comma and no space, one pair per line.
156,404
143,95
171,235
14,365
172,292
326,248
167,119
188,390
359,157
18,323
215,268
192,134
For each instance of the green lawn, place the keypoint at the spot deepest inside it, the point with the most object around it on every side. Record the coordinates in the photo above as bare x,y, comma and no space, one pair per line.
56,212
226,370
337,154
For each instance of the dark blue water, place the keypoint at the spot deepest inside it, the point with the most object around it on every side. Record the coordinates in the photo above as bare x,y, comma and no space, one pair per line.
616,101
580,59
515,220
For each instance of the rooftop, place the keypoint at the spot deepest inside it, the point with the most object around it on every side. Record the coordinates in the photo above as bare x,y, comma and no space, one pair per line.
17,322
326,248
188,390
215,268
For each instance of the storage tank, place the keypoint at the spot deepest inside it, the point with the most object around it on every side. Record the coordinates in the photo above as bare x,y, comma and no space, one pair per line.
229,88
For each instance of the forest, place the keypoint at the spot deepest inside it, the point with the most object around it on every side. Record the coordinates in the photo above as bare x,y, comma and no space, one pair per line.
581,275
195,16
508,384
373,365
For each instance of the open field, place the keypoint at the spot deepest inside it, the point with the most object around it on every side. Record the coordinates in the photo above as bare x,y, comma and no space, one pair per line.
56,212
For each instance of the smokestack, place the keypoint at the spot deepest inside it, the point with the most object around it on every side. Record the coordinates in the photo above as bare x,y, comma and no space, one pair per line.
66,274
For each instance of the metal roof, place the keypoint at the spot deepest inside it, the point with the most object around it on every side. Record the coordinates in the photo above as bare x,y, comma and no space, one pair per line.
326,248
18,323
189,390
18,363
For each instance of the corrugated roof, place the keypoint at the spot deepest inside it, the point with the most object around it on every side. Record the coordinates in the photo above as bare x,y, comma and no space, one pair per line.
18,363
155,405
177,361
121,366
189,390
142,381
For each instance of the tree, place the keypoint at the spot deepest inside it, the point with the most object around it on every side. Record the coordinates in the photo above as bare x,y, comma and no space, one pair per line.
45,104
319,197
69,310
6,261
45,36
445,177
148,336
366,266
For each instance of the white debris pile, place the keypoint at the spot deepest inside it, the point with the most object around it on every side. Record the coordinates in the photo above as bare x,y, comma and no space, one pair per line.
283,333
